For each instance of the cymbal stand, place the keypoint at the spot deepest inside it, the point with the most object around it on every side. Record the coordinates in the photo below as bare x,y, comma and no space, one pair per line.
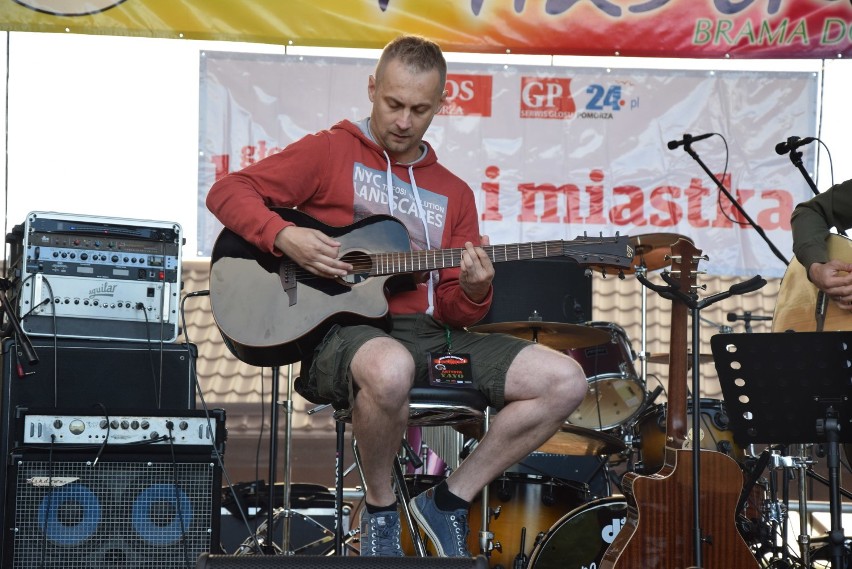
777,511
642,271
268,545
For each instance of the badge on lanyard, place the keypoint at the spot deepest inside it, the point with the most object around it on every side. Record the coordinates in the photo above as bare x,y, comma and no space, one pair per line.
450,370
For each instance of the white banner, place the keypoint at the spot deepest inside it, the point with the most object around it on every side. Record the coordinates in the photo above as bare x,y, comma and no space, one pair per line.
555,152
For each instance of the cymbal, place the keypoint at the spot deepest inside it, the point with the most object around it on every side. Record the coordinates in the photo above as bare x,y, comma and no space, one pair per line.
578,441
651,249
663,358
556,335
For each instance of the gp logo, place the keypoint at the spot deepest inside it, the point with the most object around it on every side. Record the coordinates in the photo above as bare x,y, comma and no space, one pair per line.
547,98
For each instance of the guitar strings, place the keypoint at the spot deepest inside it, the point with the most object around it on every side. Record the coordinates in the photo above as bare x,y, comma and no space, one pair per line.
414,261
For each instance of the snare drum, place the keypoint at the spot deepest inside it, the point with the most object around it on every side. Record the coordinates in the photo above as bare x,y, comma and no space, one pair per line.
616,393
580,538
715,435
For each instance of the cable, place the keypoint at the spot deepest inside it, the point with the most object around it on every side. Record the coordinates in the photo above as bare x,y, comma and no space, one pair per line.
213,432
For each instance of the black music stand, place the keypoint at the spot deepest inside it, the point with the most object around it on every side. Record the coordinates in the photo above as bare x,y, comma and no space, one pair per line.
791,387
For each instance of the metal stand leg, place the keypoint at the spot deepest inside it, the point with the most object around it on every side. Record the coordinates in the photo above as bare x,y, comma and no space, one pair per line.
486,536
340,429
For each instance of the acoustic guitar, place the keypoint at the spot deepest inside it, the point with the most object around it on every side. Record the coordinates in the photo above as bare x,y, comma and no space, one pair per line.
270,310
658,532
801,306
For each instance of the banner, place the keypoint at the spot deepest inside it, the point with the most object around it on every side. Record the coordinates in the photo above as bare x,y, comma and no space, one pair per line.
554,152
657,28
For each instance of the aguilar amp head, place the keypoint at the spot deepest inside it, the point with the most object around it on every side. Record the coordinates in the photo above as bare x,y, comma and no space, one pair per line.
142,502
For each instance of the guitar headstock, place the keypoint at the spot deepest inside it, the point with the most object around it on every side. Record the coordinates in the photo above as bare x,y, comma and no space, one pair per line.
684,271
600,252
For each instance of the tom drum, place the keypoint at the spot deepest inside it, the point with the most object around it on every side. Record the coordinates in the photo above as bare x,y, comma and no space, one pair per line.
616,393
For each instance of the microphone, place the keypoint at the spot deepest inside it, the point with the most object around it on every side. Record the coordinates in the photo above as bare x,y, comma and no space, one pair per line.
792,143
746,317
687,139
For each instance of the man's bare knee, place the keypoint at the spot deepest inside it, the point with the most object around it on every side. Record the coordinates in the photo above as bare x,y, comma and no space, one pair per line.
384,370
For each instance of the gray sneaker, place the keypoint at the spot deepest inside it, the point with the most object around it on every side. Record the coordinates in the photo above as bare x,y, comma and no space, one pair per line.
446,530
380,535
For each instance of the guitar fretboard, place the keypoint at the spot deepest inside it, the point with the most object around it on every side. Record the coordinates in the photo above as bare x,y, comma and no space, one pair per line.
431,259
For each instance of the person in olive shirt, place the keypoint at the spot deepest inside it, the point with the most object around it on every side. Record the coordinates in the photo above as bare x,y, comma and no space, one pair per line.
811,222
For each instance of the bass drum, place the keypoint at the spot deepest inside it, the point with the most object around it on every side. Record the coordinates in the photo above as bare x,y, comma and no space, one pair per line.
581,537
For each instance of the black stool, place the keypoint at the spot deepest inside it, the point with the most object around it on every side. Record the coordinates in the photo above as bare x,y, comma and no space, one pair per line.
430,406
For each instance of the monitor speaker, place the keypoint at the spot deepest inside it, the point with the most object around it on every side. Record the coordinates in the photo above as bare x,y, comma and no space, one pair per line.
127,510
556,289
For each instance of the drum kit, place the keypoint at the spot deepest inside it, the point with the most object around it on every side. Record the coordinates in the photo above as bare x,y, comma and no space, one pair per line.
619,423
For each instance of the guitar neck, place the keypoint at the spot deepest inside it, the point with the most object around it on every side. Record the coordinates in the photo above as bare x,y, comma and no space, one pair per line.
684,266
431,259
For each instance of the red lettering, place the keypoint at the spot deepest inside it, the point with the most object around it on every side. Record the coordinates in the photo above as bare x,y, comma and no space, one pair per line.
550,196
661,199
695,195
492,195
221,164
776,217
630,212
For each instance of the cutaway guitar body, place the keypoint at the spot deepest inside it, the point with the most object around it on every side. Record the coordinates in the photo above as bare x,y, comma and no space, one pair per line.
659,530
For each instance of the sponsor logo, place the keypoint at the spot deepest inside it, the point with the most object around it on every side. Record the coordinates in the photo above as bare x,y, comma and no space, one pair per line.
468,95
547,98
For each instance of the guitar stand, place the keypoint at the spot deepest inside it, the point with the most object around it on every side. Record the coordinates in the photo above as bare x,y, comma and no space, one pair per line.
690,299
791,387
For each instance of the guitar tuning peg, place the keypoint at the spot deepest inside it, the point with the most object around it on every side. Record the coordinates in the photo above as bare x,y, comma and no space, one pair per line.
621,274
603,272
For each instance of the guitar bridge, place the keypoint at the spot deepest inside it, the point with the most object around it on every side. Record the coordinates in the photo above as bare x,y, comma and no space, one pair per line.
287,274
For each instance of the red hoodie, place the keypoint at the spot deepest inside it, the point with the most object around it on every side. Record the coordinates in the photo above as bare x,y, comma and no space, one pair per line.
339,176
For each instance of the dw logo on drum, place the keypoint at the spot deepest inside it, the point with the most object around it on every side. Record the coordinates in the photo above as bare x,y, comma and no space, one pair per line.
609,532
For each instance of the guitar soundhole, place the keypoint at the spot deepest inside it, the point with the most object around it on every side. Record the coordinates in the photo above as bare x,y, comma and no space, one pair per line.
362,266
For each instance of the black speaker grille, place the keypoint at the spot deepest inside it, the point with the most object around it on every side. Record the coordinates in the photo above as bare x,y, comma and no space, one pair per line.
73,515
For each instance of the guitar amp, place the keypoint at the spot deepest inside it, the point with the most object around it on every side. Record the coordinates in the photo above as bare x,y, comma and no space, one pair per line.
83,276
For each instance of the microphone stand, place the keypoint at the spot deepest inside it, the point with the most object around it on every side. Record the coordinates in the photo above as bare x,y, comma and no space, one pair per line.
796,159
687,146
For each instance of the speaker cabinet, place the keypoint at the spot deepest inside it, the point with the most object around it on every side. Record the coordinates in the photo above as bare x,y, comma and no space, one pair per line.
71,512
319,562
89,374
556,288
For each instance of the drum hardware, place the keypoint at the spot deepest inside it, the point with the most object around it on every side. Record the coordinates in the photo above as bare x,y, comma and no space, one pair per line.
521,558
809,390
577,441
